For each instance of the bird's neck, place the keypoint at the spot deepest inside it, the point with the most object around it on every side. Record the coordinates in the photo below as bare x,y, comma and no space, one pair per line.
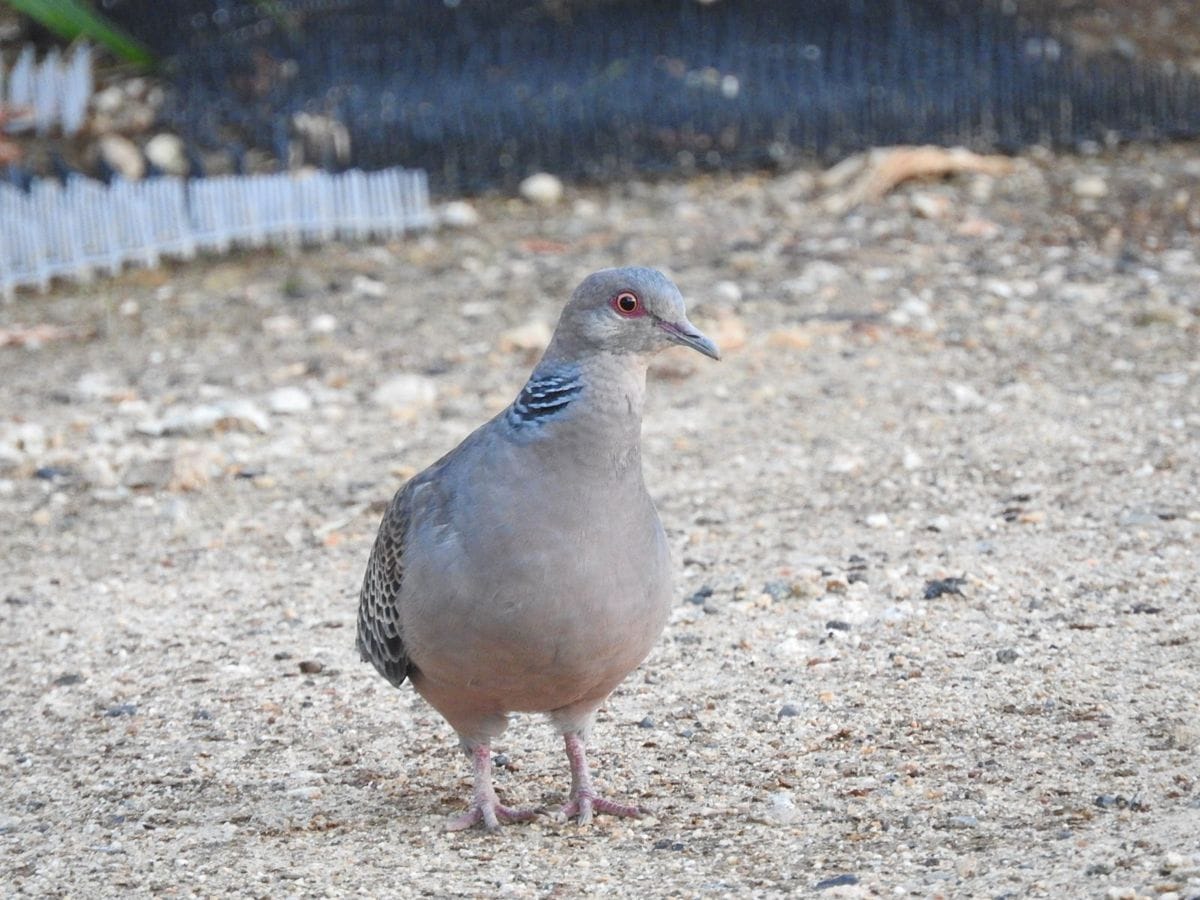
590,407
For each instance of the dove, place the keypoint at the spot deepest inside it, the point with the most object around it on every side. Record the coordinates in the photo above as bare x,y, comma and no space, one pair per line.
527,570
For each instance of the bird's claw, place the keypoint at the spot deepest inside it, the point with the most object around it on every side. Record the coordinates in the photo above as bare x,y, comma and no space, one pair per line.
491,815
584,804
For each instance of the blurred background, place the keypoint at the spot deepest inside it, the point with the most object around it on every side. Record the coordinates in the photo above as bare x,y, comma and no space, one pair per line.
482,93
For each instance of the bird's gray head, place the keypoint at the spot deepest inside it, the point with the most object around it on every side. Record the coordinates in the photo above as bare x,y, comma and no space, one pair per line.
630,310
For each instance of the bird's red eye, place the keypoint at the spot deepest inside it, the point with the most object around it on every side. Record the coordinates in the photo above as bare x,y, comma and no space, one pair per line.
627,303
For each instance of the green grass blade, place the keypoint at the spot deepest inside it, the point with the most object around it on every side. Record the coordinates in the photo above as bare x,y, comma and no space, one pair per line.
72,19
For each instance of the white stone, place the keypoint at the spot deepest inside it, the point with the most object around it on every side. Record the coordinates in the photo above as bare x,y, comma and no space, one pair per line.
281,325
878,520
1090,187
167,151
28,436
531,336
246,415
728,291
406,391
929,206
288,400
109,100
241,414
122,156
322,323
543,189
94,386
368,287
459,214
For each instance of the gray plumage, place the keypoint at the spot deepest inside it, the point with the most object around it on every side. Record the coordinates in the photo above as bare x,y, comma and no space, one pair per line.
527,570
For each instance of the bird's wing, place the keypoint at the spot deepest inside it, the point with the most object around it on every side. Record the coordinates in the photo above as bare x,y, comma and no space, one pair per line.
379,637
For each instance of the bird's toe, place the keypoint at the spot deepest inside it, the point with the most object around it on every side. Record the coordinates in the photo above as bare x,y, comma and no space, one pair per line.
584,805
491,816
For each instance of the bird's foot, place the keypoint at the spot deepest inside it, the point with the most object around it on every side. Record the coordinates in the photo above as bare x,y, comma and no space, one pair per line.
586,802
491,814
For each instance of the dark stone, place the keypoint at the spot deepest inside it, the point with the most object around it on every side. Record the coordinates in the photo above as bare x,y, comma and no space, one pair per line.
311,666
836,881
646,723
668,844
1007,655
787,711
52,473
698,598
68,679
939,586
121,709
837,625
777,590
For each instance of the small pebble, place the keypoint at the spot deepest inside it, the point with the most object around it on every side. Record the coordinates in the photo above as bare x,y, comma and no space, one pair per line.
777,590
1089,187
311,666
168,153
646,723
121,709
542,189
729,291
362,286
323,323
1007,655
406,391
531,337
289,400
122,156
459,214
940,586
787,711
836,881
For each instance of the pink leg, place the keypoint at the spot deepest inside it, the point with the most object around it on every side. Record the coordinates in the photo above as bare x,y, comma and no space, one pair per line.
584,800
485,807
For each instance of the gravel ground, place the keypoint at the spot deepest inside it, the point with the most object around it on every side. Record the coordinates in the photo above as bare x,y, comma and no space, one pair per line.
936,518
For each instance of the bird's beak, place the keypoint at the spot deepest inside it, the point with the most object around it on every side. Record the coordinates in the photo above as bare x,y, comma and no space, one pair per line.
689,335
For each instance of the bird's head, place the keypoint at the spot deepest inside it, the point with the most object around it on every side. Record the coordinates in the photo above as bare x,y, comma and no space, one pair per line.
631,310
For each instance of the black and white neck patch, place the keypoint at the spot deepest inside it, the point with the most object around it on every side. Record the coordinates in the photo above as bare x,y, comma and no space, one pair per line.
545,397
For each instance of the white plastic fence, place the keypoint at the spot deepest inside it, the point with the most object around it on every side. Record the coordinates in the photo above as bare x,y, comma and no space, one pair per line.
53,92
85,227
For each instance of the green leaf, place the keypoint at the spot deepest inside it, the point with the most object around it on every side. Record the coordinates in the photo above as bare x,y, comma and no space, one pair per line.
73,19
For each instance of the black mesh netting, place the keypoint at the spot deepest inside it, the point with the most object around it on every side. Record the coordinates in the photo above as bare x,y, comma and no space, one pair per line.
483,92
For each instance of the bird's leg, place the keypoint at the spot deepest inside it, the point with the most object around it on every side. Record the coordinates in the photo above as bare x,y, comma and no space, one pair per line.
584,801
485,806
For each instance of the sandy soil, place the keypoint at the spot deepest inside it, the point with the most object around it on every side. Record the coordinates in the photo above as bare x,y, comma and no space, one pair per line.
936,519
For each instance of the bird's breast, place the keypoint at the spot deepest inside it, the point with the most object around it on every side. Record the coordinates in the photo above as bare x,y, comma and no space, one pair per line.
565,591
